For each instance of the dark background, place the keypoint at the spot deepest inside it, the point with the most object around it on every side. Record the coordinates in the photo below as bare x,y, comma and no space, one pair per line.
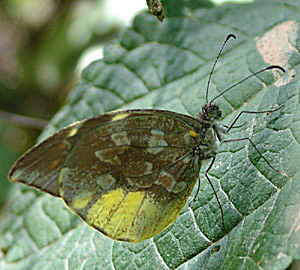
44,44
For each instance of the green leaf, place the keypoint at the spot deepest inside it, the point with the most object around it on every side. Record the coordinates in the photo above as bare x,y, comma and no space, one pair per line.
166,65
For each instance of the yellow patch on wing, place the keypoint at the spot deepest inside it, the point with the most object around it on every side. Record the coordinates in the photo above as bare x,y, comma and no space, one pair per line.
82,200
169,215
153,218
130,217
119,224
100,212
120,116
72,132
144,225
193,134
134,216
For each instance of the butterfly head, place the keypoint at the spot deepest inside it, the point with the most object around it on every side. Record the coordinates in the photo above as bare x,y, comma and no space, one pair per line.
211,112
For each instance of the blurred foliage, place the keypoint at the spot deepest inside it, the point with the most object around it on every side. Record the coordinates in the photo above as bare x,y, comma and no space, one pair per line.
41,42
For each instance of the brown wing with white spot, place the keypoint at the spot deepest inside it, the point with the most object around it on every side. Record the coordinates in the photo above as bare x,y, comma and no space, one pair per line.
126,173
121,164
128,151
136,215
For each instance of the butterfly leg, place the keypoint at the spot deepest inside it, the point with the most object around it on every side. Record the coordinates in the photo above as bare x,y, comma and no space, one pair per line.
206,175
251,112
198,189
239,126
261,155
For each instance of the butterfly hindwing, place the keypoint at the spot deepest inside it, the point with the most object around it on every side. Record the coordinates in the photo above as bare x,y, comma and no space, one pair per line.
135,214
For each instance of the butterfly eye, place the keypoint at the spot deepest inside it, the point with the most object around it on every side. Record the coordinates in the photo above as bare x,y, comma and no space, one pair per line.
211,111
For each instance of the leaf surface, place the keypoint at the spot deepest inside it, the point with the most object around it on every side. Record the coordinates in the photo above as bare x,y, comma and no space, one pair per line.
166,66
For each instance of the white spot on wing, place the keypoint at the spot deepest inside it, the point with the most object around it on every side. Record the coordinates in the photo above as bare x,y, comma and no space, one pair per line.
180,186
120,138
105,181
155,141
166,180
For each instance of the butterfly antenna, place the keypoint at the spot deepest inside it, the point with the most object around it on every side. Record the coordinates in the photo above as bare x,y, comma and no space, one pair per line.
212,70
254,74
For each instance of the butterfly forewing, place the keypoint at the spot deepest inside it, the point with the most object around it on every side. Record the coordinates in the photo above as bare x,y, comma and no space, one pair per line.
40,166
126,173
130,176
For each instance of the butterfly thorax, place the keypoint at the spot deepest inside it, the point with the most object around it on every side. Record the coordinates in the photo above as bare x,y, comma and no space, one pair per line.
207,146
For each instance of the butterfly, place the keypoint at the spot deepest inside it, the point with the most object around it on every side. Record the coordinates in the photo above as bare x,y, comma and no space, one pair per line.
129,173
